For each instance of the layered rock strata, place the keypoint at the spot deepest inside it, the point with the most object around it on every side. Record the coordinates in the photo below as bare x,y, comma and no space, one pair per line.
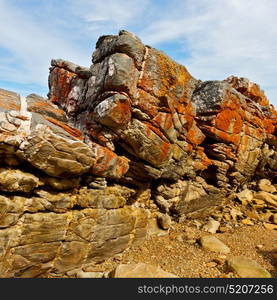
83,172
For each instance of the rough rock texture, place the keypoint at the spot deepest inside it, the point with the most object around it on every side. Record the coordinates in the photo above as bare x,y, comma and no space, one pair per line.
140,270
247,268
240,133
211,243
84,173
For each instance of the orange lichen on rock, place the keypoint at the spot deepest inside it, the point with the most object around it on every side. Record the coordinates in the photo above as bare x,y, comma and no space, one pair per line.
229,121
162,77
162,106
108,164
35,104
72,131
60,84
147,103
9,100
151,128
202,161
248,89
194,135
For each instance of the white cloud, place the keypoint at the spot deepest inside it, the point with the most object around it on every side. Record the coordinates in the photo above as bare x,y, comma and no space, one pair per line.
215,38
224,37
30,46
114,12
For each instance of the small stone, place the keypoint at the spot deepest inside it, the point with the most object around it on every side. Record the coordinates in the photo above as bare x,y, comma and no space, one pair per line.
118,257
252,214
259,246
270,199
153,228
212,226
180,238
168,247
211,264
197,224
247,268
235,213
140,270
224,229
72,272
82,274
164,221
220,260
247,222
217,216
270,226
211,243
265,216
266,186
245,196
191,242
227,217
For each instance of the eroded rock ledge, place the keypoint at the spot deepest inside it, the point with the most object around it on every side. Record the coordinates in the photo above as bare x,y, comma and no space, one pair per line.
84,172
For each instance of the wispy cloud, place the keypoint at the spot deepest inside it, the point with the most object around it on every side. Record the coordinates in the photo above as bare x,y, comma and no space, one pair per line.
212,38
222,38
27,47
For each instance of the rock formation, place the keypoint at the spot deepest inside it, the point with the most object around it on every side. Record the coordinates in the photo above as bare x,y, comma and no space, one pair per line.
83,172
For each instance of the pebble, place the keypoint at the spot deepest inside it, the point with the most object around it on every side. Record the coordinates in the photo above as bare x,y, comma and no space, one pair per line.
197,224
220,260
140,270
245,196
212,226
224,229
259,246
164,221
180,238
189,234
266,186
211,264
211,243
191,241
247,222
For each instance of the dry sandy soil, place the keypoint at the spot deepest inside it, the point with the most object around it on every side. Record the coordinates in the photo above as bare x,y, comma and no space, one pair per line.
186,258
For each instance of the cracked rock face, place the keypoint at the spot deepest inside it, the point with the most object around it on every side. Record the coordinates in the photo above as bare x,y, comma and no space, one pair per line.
83,172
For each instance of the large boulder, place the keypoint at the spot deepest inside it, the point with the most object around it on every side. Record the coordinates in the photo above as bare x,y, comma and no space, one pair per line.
79,171
237,131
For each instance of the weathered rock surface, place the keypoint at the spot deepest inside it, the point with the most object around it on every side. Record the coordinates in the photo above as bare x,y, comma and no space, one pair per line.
247,268
34,242
140,270
212,226
266,186
17,181
211,243
82,172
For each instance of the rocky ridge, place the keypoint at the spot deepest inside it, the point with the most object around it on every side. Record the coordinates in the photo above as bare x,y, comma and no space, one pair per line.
132,139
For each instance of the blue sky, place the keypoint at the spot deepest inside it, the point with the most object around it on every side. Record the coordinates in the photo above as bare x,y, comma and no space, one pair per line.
212,38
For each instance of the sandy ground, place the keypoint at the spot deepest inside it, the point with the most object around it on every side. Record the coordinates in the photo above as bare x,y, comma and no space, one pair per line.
185,257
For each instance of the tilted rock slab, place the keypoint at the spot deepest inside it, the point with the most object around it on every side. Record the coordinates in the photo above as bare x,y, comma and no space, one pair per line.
140,270
247,268
80,170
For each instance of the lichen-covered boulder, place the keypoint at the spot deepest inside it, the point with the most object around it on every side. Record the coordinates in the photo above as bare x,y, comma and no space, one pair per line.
236,129
84,172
